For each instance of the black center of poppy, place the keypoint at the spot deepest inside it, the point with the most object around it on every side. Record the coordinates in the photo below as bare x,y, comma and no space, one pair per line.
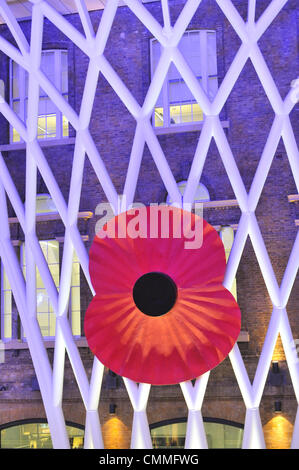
154,293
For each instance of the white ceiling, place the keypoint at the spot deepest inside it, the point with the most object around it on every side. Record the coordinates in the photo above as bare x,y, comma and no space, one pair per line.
22,8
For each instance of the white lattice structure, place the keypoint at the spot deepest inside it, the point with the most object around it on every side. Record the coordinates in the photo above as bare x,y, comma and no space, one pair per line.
28,55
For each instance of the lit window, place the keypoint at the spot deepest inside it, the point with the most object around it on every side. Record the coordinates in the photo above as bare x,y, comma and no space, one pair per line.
176,104
75,307
6,306
226,232
201,194
51,123
45,204
44,310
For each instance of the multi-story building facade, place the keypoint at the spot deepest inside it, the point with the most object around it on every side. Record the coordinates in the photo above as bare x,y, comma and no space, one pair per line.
209,45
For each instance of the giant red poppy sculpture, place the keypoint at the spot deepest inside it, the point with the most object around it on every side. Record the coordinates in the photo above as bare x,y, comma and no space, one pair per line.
160,314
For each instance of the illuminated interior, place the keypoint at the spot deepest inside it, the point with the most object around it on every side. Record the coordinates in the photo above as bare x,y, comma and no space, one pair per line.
50,121
36,435
219,435
45,313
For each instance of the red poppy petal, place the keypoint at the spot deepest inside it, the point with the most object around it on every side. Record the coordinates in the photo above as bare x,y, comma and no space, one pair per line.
192,338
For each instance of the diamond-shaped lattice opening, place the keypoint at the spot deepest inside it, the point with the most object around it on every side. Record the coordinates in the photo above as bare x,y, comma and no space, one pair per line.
247,125
278,228
253,286
278,50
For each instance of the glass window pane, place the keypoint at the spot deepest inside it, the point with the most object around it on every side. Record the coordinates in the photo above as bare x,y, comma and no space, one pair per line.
15,88
46,107
190,49
156,52
179,92
76,312
44,204
173,73
45,314
192,45
175,114
51,125
5,281
53,251
76,275
211,53
15,80
75,297
39,281
48,120
227,237
54,270
186,113
48,65
218,435
7,301
65,127
7,326
171,435
42,300
6,295
16,107
52,325
212,87
197,112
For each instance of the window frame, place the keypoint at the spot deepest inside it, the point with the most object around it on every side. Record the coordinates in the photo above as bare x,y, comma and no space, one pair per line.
22,422
182,184
4,338
165,88
23,98
184,420
49,313
74,314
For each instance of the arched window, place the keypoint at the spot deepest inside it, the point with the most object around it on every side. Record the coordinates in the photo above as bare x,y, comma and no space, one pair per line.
201,195
220,433
50,122
35,434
